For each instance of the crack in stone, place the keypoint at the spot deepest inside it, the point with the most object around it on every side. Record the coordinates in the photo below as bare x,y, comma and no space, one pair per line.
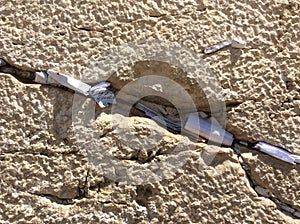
283,207
23,76
27,77
55,199
88,29
83,190
82,193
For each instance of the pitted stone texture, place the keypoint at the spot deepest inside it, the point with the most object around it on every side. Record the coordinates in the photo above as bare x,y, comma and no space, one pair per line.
60,176
138,138
281,179
195,195
51,186
261,83
71,35
34,118
275,124
78,35
224,189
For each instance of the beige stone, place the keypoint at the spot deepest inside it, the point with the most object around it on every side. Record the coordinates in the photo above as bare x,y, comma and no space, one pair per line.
54,185
45,175
281,179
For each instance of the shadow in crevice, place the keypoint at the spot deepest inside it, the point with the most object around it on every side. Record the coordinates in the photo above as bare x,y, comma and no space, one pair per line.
23,76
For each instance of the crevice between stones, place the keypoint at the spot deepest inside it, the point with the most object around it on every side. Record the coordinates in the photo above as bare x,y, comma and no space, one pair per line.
83,188
23,76
55,199
27,77
262,192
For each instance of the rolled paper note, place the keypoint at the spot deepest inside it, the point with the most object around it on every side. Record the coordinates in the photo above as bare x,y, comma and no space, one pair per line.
235,43
99,87
204,128
276,152
217,47
70,82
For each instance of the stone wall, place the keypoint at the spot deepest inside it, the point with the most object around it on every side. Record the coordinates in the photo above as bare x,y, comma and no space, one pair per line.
45,175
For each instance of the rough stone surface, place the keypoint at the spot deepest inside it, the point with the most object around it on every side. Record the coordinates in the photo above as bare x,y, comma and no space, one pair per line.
52,182
259,81
281,179
45,176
